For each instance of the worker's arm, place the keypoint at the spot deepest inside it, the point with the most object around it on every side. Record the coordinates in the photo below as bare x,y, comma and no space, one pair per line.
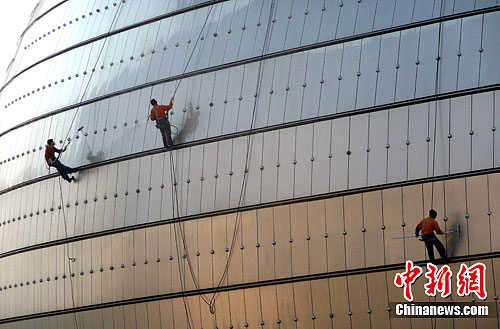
171,104
152,115
57,150
418,228
437,228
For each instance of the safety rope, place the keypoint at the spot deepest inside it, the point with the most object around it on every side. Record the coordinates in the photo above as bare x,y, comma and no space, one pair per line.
265,49
175,199
69,258
92,72
211,301
436,91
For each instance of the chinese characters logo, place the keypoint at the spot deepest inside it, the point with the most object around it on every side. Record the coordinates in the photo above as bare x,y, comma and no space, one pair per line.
470,279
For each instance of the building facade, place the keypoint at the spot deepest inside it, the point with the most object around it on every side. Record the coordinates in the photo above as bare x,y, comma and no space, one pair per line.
308,135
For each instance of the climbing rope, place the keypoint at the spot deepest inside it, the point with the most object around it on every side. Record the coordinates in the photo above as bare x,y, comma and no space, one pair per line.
175,199
265,49
69,258
211,302
436,91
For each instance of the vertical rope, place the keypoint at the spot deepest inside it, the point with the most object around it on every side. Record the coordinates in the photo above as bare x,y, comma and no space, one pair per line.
175,201
91,75
70,259
436,91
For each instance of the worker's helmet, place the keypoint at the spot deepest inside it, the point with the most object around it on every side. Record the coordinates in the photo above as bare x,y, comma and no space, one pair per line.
433,213
154,102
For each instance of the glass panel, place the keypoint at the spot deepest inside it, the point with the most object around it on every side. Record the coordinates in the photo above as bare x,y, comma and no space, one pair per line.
312,91
339,141
223,25
254,175
423,10
278,97
246,103
426,62
234,32
202,52
462,5
285,159
406,73
195,174
490,66
419,148
448,64
470,44
357,146
329,20
377,157
204,100
403,12
347,19
280,25
268,70
365,16
294,97
397,149
482,140
439,160
296,20
368,69
222,173
249,35
304,158
387,65
384,14
312,22
349,73
460,141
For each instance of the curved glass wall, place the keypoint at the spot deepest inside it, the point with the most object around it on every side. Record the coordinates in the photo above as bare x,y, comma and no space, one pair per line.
351,76
294,169
143,55
334,156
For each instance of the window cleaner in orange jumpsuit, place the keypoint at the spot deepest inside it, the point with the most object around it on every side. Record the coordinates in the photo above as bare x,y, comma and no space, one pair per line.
159,113
428,226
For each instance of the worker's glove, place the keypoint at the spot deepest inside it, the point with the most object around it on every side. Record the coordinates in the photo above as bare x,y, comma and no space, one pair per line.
172,99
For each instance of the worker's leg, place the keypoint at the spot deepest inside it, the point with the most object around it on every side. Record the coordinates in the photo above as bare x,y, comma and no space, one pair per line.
170,142
63,170
440,248
58,164
161,125
430,249
63,174
166,133
164,137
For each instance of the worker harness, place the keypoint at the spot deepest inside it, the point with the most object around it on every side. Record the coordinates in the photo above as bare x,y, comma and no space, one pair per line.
423,229
158,125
